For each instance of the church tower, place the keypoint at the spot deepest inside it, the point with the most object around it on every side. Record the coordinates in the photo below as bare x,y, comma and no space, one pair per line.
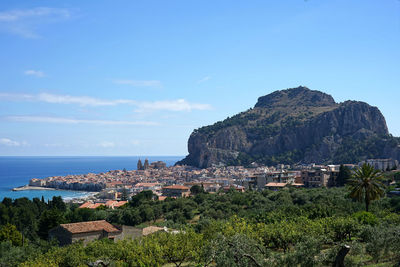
139,165
146,164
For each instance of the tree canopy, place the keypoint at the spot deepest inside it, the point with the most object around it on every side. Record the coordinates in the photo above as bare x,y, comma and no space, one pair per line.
366,184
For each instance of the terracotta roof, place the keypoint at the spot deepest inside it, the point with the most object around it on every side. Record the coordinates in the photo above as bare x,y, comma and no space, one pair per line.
276,184
110,203
96,205
116,182
298,184
92,226
180,187
162,198
199,183
233,186
120,203
146,184
85,205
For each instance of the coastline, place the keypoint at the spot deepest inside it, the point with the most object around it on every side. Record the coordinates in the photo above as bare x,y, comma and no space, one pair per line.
72,197
28,187
17,171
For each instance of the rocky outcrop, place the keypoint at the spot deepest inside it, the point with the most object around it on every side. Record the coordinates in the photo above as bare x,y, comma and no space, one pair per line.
296,125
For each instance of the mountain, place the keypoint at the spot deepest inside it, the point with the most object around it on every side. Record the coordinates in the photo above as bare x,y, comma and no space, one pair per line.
296,125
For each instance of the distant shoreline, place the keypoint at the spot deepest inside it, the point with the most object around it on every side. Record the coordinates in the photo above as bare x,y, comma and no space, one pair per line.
18,171
28,187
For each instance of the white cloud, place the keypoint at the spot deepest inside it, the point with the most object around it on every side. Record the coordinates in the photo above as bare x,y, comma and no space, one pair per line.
64,99
16,97
9,142
107,144
24,22
61,120
36,73
167,105
139,83
204,79
80,100
20,14
171,105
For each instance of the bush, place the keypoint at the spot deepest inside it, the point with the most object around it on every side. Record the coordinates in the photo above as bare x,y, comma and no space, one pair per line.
366,218
383,241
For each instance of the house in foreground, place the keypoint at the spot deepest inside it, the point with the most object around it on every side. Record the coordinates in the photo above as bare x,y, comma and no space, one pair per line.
84,231
88,231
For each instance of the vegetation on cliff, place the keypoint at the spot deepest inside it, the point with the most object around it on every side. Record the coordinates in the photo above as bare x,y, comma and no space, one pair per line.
294,126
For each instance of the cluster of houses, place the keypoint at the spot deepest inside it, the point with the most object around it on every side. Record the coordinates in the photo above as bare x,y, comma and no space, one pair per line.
176,181
211,180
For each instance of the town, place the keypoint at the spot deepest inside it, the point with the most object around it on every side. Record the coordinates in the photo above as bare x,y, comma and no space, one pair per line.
176,181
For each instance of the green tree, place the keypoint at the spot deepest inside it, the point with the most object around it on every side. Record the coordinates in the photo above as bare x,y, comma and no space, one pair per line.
57,203
41,206
236,250
180,247
344,175
142,197
342,227
131,217
196,189
366,185
124,194
81,215
9,232
366,218
11,255
146,213
48,220
4,214
281,235
25,220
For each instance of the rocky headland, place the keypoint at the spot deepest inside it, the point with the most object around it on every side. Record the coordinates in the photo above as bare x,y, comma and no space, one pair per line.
296,125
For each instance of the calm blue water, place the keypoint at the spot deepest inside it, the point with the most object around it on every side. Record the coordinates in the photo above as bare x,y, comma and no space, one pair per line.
17,171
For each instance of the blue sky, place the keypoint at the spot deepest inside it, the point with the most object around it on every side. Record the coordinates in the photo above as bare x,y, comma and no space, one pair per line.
136,77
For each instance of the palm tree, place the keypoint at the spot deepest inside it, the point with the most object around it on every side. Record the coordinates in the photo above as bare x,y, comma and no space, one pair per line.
366,184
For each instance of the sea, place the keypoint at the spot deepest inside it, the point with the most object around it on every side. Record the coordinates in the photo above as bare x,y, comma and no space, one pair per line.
17,171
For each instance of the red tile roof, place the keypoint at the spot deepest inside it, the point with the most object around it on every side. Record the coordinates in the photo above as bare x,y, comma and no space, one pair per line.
162,198
85,205
297,184
96,205
146,184
92,226
120,203
111,203
180,187
276,184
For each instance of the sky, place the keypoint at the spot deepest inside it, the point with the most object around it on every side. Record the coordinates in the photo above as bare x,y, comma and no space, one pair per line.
129,77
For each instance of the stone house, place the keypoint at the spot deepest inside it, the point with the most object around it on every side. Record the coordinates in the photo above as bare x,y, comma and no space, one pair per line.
88,231
176,191
84,231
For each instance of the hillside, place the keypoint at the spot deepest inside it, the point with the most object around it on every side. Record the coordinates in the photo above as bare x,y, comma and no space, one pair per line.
296,125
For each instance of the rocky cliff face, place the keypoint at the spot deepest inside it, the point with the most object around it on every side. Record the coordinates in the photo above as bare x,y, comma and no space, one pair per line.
296,125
